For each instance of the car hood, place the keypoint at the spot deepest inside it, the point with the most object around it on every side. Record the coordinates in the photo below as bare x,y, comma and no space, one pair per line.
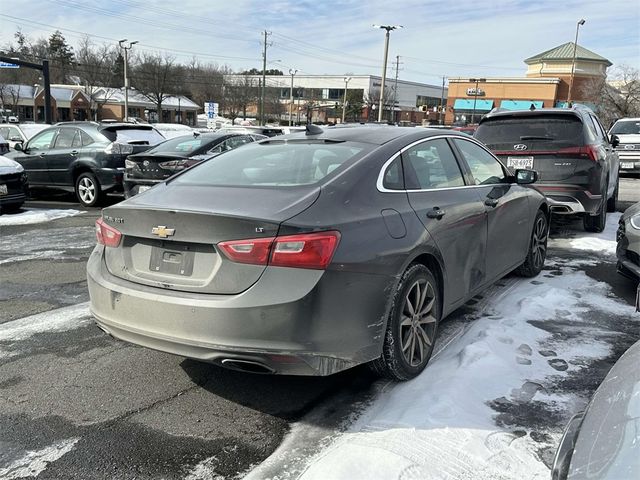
629,137
9,166
608,445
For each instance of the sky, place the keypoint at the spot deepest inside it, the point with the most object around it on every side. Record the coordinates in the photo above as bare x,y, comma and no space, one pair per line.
439,38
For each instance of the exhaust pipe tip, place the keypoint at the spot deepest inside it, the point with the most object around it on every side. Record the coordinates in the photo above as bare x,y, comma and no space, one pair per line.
249,366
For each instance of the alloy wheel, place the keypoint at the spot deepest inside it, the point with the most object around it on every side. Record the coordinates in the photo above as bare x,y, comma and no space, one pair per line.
86,190
418,324
539,242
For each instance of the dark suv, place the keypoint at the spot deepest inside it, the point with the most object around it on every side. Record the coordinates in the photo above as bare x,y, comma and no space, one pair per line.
576,162
83,157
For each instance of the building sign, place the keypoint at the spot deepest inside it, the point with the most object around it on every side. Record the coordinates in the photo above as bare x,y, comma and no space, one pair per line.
8,65
472,92
211,109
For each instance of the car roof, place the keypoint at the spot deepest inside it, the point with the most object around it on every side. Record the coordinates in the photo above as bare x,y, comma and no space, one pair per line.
373,134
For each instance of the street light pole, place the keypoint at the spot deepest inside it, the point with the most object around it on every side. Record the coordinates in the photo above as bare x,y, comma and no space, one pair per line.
388,28
292,72
475,97
126,78
344,100
573,63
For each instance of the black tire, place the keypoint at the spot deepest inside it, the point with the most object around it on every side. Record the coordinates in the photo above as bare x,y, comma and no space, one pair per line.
411,332
88,189
612,202
11,208
596,223
537,253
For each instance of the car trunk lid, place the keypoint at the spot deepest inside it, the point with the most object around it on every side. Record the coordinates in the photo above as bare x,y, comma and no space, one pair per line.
164,247
156,166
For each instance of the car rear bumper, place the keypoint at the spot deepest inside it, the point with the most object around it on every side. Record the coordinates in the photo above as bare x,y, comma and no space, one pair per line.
133,186
110,179
292,321
570,199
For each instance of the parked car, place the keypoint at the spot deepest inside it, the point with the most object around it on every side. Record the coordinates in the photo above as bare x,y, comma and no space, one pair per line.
14,185
576,162
172,130
313,253
603,442
83,157
628,243
267,131
4,146
628,132
144,170
20,133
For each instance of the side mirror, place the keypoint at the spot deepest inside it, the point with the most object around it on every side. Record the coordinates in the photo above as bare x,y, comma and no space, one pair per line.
615,141
525,177
18,146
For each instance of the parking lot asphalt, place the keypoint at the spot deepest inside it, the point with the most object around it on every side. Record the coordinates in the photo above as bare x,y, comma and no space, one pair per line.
75,403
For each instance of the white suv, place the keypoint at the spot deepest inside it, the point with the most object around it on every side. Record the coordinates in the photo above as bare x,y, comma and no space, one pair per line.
628,132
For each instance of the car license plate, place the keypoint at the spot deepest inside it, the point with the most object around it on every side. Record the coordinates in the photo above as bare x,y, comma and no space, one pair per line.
143,188
3,189
520,163
626,165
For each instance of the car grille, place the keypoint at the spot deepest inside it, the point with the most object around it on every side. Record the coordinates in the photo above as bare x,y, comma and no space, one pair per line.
633,256
620,234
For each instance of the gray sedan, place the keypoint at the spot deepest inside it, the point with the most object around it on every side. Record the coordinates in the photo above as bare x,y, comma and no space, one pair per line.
312,253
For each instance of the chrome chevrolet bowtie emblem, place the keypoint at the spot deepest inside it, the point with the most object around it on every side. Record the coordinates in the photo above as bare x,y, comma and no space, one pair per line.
162,231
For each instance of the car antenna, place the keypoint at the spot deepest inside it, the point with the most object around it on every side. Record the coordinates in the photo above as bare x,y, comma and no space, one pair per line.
313,129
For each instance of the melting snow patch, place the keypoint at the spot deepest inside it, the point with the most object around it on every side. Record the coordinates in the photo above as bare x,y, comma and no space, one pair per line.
35,462
486,406
604,242
60,320
36,216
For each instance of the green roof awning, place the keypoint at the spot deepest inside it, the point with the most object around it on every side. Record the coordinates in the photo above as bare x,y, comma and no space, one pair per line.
466,104
520,104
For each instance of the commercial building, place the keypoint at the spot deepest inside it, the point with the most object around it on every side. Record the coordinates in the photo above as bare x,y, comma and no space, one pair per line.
546,84
321,98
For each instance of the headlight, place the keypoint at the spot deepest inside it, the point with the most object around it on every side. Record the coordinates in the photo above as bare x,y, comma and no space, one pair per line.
635,221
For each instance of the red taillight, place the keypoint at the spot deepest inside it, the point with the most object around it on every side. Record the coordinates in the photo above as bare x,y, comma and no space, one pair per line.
307,250
254,251
107,235
588,151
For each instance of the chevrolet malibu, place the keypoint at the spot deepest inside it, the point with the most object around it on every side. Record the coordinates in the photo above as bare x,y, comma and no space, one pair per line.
312,253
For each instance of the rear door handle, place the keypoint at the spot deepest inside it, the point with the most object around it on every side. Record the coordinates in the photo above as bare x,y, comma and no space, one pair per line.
436,213
491,202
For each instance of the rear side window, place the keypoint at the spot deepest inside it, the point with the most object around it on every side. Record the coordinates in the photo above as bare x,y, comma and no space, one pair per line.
274,164
430,165
139,136
392,179
543,132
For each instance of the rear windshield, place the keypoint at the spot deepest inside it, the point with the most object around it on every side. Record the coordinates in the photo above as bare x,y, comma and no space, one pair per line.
275,164
626,127
182,144
139,136
547,132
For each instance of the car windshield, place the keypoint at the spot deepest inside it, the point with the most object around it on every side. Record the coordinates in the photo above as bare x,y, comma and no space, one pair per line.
275,163
626,127
145,136
548,132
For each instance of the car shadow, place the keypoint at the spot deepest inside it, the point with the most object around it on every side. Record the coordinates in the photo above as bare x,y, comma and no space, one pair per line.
284,396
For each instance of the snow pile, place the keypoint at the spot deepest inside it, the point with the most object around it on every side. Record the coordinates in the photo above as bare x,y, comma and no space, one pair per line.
603,242
29,217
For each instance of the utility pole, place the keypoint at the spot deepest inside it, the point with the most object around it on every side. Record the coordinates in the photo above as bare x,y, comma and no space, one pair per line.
344,100
292,72
126,78
442,107
388,28
264,78
395,89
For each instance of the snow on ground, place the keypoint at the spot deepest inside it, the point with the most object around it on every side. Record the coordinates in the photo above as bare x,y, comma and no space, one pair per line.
49,244
441,425
29,217
35,462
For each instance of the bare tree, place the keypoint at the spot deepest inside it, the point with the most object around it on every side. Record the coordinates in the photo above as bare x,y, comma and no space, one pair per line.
157,77
239,94
372,101
618,96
